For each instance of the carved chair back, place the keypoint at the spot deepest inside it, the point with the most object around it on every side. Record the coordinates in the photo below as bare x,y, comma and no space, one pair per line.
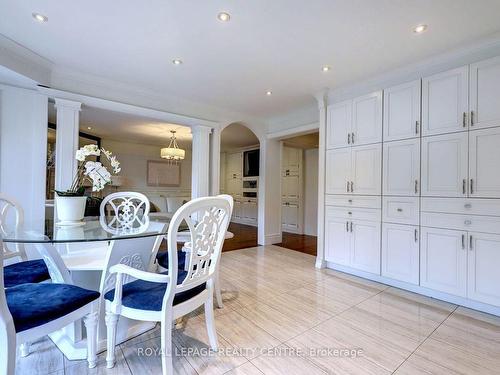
207,219
11,218
127,210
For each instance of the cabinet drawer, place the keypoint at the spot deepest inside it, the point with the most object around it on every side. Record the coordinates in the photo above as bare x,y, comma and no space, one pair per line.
368,214
484,224
400,210
358,201
471,206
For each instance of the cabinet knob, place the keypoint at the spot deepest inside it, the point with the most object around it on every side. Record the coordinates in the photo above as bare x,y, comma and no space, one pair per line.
349,213
467,222
350,200
399,210
468,205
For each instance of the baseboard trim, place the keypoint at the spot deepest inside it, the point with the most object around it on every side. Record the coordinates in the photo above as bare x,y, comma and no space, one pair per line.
490,309
270,239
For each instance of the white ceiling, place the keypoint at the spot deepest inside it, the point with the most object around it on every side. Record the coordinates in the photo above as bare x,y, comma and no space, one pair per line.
268,44
129,128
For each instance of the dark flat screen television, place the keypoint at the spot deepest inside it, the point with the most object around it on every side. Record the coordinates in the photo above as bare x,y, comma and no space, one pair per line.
251,163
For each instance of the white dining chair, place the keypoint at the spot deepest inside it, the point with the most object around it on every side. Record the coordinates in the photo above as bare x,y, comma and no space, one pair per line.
20,269
165,297
31,311
125,209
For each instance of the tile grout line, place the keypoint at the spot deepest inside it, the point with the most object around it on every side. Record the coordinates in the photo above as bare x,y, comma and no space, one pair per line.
423,341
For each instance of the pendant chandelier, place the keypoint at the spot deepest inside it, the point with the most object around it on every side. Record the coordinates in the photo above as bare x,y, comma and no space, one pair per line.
173,152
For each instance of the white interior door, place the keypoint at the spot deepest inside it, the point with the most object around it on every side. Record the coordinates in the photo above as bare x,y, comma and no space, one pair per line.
402,111
444,165
338,171
366,169
443,260
445,102
365,246
339,124
400,252
484,265
485,93
337,239
484,163
367,119
401,167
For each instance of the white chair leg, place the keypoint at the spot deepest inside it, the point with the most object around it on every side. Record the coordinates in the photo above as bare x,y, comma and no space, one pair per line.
111,323
24,349
166,346
210,321
91,326
218,295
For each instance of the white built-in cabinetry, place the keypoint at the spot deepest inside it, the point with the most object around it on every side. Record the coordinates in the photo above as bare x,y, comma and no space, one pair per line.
413,195
291,189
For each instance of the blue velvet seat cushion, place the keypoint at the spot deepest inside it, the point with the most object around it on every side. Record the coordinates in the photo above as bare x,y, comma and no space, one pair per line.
145,295
162,258
32,305
30,271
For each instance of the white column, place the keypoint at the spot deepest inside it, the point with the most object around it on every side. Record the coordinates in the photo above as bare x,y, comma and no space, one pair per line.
322,103
215,169
68,120
200,175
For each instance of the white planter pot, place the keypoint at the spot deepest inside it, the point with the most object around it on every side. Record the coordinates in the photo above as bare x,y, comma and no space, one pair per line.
70,210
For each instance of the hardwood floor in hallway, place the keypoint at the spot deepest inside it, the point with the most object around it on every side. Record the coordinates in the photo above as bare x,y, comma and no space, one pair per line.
281,315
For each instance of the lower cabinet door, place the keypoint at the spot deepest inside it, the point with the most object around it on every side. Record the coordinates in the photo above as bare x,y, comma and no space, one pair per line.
337,239
400,252
484,268
443,260
365,246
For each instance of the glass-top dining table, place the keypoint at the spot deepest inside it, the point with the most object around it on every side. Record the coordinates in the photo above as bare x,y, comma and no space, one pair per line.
83,249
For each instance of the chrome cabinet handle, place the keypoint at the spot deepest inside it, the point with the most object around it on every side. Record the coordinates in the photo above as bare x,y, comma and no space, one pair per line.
349,138
471,118
464,183
464,119
416,186
352,138
470,242
351,226
463,241
416,235
416,127
347,226
471,186
352,187
347,186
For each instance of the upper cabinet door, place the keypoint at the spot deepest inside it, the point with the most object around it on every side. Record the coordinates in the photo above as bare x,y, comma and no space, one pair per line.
402,168
445,102
366,170
339,124
484,163
485,93
444,165
338,171
402,111
367,119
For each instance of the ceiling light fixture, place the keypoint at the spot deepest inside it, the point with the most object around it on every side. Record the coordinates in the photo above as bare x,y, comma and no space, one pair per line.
40,17
89,127
419,29
326,68
224,16
177,61
269,92
173,153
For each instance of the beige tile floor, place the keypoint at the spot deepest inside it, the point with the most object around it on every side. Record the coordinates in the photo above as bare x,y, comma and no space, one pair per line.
282,316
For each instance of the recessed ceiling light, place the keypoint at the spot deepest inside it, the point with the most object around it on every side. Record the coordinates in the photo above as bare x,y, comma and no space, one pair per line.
177,61
40,17
269,92
89,127
419,29
326,68
224,16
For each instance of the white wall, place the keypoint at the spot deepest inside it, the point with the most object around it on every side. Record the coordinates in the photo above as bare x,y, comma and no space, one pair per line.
134,157
311,192
23,150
